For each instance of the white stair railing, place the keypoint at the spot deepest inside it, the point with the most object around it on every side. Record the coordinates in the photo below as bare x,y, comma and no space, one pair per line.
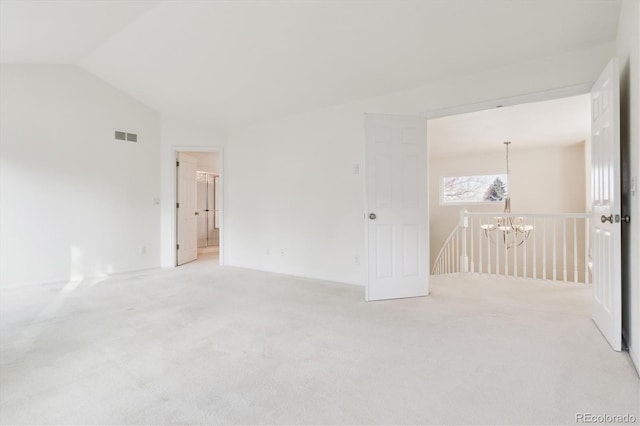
556,247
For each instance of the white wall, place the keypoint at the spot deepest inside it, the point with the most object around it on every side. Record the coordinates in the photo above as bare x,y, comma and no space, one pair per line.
290,181
182,136
547,180
628,48
74,202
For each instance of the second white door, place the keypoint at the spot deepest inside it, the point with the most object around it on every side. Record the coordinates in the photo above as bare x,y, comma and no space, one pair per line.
397,209
187,208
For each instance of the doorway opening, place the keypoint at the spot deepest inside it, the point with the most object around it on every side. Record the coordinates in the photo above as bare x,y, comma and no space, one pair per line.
548,184
198,207
545,188
209,213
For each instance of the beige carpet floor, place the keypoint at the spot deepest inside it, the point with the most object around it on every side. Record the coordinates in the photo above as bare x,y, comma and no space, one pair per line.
202,344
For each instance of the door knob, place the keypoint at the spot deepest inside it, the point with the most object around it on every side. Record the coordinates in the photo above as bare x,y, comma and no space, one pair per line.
372,216
604,218
197,213
626,218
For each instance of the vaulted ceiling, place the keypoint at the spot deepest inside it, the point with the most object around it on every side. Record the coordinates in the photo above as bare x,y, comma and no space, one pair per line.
227,63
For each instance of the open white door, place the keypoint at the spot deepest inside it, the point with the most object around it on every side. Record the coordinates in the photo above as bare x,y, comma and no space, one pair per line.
187,208
605,219
397,207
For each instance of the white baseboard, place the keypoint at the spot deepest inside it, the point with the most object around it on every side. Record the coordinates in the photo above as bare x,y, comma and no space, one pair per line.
634,359
59,282
310,277
632,353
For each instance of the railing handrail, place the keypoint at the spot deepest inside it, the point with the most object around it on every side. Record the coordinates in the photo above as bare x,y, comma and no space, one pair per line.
535,215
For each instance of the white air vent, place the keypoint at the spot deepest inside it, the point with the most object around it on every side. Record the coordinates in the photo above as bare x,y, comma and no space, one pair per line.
126,136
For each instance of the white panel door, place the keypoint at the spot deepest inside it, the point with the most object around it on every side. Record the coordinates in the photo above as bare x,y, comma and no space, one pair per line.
605,220
187,208
397,214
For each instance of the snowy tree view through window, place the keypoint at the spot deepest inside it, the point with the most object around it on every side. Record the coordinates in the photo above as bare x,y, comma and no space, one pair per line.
474,189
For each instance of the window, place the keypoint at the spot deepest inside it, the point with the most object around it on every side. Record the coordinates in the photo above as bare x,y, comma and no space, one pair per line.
473,189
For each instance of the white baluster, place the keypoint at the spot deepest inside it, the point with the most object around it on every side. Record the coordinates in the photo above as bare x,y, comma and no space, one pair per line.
488,254
480,247
447,263
555,263
472,265
449,256
575,251
454,254
506,257
515,256
564,250
544,248
464,259
497,255
444,258
524,259
535,249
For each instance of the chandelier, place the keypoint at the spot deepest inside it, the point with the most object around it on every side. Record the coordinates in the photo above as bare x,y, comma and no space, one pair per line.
509,230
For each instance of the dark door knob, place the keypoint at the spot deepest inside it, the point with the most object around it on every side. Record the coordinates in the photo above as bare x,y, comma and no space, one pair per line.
372,216
604,218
